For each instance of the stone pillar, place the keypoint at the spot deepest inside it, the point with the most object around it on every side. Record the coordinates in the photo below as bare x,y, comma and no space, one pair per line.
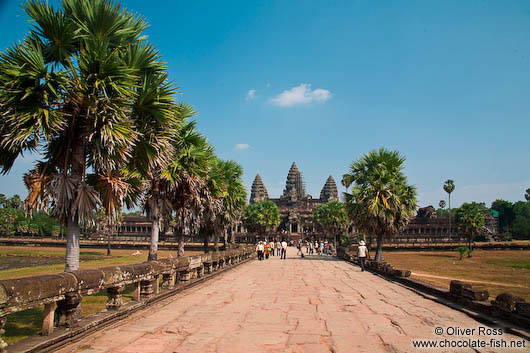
114,293
68,310
168,280
48,319
146,289
3,345
136,296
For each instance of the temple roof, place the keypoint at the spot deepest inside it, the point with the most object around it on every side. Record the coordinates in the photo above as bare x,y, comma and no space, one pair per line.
258,192
329,191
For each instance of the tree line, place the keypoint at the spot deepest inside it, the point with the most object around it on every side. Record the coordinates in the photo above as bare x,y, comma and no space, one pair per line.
89,93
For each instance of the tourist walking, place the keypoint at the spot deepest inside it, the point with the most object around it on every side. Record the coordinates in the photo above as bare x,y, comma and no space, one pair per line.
299,247
362,253
259,249
284,249
267,250
303,247
272,247
278,248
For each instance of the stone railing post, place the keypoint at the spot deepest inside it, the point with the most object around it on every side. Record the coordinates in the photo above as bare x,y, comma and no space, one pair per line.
114,293
146,289
68,310
3,345
169,280
48,319
136,294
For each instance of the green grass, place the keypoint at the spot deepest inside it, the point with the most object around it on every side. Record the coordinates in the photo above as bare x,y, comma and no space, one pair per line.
511,263
29,322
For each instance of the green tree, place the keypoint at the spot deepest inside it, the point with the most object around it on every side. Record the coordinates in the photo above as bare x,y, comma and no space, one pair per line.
470,221
261,217
449,187
188,173
381,201
72,87
332,218
506,214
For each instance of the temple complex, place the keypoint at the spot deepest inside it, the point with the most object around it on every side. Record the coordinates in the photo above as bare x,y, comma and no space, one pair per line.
295,205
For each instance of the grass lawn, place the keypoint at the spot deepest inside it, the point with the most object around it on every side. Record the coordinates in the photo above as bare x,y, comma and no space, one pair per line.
26,323
497,271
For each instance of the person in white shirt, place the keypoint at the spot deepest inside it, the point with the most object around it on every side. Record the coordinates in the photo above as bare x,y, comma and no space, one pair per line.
278,247
260,248
284,249
362,254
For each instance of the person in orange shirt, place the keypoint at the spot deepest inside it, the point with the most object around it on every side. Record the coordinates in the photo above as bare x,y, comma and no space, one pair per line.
267,250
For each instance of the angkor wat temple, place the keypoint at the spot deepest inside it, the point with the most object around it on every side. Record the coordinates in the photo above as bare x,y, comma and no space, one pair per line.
295,205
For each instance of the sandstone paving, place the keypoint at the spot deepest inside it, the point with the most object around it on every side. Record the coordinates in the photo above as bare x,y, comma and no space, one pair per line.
314,304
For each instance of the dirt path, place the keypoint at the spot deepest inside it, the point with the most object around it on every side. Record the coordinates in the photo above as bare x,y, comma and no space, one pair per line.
294,305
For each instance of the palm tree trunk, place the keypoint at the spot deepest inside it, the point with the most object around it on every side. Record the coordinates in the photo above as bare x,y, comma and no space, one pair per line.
379,251
108,244
73,232
450,235
206,240
216,241
153,245
181,245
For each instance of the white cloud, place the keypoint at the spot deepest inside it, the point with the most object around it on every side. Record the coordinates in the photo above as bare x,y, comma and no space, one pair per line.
301,95
242,146
251,94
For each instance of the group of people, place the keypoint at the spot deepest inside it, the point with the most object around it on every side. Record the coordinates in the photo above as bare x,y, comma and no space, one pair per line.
266,249
312,247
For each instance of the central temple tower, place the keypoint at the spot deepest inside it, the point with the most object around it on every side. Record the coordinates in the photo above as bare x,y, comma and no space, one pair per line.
295,205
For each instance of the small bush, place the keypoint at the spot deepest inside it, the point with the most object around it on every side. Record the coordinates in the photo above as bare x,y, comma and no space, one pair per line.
462,250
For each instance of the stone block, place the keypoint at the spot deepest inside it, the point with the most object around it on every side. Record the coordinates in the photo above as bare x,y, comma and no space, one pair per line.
456,287
507,301
475,294
523,309
401,273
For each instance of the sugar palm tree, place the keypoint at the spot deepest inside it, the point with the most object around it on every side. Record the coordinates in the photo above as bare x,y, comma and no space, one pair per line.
153,157
442,204
449,187
188,172
527,195
70,88
381,202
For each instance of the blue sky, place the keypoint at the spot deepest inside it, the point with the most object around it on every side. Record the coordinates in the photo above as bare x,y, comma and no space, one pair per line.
321,82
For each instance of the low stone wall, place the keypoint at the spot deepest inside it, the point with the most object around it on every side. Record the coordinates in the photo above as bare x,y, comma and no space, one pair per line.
505,306
61,294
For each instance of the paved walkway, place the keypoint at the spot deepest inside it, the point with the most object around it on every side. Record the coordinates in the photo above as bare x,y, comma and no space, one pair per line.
295,305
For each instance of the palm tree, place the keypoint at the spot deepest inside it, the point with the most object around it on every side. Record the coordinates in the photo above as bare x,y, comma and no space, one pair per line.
71,87
449,187
381,202
470,221
527,195
188,172
442,204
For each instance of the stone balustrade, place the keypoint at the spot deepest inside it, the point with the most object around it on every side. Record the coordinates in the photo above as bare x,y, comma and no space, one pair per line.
62,293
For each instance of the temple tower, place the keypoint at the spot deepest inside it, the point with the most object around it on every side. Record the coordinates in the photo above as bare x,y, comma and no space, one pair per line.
258,192
294,186
329,191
